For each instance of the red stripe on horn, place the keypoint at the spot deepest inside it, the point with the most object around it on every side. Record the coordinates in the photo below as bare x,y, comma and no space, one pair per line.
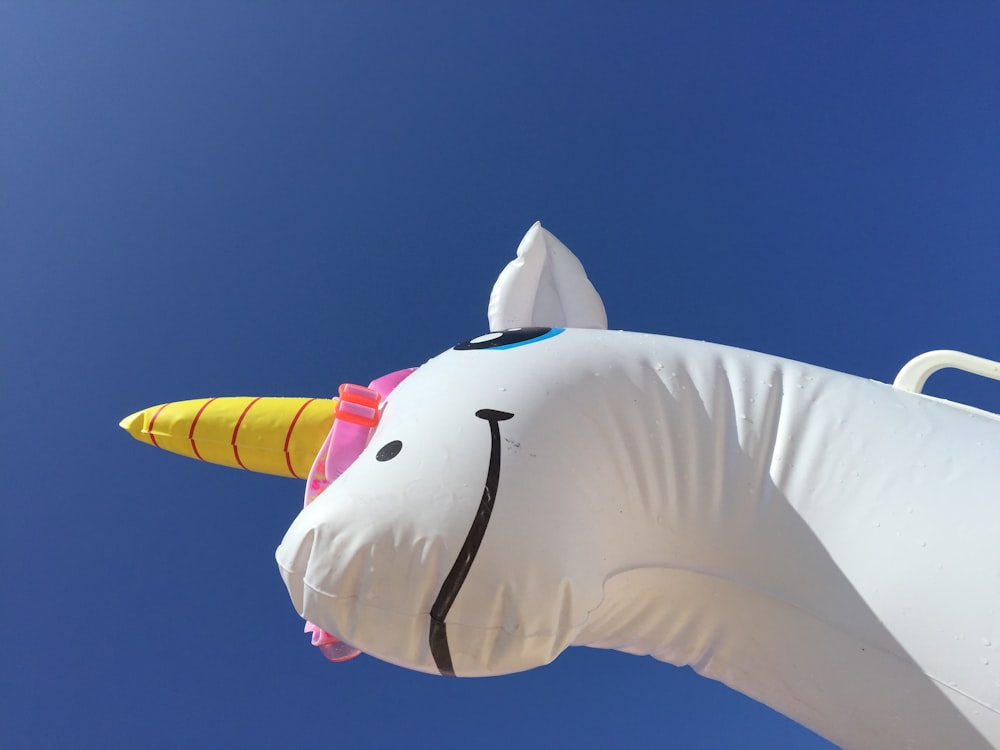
149,430
194,423
236,451
288,437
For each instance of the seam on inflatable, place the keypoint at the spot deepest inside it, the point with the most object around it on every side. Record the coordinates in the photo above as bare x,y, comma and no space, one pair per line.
965,695
486,629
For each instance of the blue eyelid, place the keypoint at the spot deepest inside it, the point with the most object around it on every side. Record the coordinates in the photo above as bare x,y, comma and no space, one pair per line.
551,332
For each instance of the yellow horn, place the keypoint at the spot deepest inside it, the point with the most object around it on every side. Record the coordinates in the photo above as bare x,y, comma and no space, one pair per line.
271,435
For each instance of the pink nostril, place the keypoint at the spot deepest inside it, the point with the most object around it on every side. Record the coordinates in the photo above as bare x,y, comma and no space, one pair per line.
338,651
331,647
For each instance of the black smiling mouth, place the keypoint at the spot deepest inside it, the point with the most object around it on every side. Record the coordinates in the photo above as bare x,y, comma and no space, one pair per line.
456,576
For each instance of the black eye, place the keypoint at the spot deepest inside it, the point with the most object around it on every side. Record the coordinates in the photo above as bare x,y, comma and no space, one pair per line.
389,450
508,339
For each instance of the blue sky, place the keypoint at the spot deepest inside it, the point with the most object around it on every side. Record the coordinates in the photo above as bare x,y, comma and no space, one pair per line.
275,198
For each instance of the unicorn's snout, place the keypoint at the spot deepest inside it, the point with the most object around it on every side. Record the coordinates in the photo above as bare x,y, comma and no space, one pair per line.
292,557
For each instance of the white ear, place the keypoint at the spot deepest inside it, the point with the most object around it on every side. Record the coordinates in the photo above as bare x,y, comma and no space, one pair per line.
544,286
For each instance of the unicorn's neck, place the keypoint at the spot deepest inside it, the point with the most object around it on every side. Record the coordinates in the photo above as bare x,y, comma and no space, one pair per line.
743,538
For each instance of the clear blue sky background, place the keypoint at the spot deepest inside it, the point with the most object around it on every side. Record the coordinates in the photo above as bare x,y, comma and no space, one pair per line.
193,196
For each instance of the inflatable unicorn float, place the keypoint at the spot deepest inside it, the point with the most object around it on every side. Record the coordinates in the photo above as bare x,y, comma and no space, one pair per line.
825,544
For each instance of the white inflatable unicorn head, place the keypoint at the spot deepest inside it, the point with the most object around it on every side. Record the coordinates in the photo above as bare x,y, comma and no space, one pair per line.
825,544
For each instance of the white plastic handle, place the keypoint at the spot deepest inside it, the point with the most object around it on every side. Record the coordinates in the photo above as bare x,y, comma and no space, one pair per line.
915,372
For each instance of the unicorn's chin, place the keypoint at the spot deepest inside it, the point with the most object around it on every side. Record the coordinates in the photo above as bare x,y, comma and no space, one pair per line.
365,584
